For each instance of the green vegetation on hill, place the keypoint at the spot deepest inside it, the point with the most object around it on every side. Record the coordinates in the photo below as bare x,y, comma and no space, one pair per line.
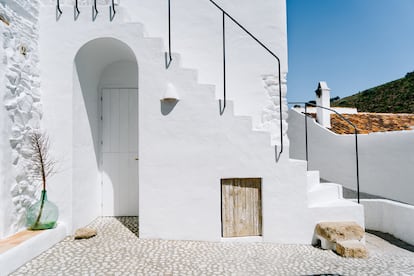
393,97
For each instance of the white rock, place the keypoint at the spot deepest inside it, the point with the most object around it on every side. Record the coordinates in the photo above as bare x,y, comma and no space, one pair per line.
14,191
15,157
26,152
15,141
25,103
10,104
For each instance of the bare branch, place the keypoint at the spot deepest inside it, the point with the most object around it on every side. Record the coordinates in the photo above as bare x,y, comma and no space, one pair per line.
40,165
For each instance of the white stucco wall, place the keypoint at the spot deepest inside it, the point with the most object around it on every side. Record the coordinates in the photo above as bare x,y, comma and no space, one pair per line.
185,147
386,159
197,37
20,108
390,217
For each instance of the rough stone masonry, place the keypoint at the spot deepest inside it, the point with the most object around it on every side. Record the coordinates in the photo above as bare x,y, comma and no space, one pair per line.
21,109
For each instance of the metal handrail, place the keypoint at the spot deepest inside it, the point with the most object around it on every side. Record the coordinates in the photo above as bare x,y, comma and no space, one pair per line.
94,10
58,8
168,62
112,11
346,120
224,15
76,10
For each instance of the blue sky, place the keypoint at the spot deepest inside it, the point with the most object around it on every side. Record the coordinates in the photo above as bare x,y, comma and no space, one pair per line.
353,45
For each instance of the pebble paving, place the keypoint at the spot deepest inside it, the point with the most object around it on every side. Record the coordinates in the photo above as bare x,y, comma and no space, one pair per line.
117,250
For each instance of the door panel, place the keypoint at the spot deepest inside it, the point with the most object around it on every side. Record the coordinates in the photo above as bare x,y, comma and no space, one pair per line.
241,207
120,152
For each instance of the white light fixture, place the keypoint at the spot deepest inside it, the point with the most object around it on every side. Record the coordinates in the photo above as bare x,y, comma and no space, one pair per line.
171,94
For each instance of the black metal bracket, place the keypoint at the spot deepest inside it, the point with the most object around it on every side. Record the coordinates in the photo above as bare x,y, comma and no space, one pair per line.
58,10
112,11
168,57
76,10
94,11
222,105
346,120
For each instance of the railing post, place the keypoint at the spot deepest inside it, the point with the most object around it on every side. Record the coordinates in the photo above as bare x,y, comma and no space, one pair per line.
306,137
58,8
76,10
112,11
357,161
223,107
169,59
94,10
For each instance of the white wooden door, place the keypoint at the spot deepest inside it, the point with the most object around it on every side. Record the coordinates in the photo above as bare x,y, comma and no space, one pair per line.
120,152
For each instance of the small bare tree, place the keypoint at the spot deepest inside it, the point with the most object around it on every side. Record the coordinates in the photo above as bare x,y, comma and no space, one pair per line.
40,165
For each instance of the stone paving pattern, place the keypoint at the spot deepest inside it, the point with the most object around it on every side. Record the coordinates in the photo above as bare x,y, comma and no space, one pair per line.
117,250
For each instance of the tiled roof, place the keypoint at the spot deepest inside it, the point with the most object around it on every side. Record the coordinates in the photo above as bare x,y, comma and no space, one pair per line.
372,122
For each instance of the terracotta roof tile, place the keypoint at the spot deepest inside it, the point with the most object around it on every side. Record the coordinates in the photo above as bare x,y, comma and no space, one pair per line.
372,122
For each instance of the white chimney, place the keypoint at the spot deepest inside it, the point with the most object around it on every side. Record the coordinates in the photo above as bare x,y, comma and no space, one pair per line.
323,98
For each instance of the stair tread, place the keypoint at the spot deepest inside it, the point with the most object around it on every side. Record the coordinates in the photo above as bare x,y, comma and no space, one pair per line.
335,203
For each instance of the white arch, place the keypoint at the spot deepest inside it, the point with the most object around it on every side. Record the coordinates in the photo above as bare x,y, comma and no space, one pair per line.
90,62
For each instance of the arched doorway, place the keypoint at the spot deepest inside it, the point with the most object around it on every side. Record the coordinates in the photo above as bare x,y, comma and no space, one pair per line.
105,130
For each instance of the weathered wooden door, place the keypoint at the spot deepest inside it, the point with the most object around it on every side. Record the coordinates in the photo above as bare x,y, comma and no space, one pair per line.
120,152
241,207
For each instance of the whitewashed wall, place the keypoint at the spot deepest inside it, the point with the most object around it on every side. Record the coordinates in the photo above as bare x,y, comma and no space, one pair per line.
20,108
386,159
197,37
186,151
390,217
183,152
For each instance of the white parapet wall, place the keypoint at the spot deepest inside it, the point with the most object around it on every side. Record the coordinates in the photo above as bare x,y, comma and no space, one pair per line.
390,217
385,158
15,257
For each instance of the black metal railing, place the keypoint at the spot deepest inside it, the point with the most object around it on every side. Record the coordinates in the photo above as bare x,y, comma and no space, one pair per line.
223,104
112,11
58,9
307,115
76,11
94,10
168,57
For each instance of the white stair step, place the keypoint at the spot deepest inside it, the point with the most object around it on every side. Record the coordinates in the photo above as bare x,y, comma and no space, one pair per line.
336,203
313,179
326,192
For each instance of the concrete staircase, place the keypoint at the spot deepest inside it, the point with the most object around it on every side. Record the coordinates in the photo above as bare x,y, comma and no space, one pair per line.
322,194
324,200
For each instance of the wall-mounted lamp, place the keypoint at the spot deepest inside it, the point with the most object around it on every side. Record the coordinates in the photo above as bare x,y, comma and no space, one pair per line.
170,94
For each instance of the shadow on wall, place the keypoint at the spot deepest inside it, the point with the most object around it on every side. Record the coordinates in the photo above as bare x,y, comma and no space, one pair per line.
167,106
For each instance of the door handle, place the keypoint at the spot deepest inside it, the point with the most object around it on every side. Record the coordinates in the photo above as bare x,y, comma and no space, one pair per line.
136,158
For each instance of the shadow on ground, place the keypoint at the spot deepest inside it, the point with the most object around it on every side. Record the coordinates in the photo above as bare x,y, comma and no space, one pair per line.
391,239
131,223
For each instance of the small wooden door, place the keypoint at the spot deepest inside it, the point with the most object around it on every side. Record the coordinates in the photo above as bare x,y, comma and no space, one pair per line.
241,203
120,152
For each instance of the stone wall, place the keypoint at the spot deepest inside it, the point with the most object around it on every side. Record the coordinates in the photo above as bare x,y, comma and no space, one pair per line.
21,108
271,112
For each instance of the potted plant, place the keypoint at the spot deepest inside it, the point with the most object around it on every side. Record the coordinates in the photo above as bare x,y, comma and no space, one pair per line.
43,214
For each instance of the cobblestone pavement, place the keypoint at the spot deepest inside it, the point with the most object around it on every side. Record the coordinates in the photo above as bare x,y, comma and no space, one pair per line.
116,250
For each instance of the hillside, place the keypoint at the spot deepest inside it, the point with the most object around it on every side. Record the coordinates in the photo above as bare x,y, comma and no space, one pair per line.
393,97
